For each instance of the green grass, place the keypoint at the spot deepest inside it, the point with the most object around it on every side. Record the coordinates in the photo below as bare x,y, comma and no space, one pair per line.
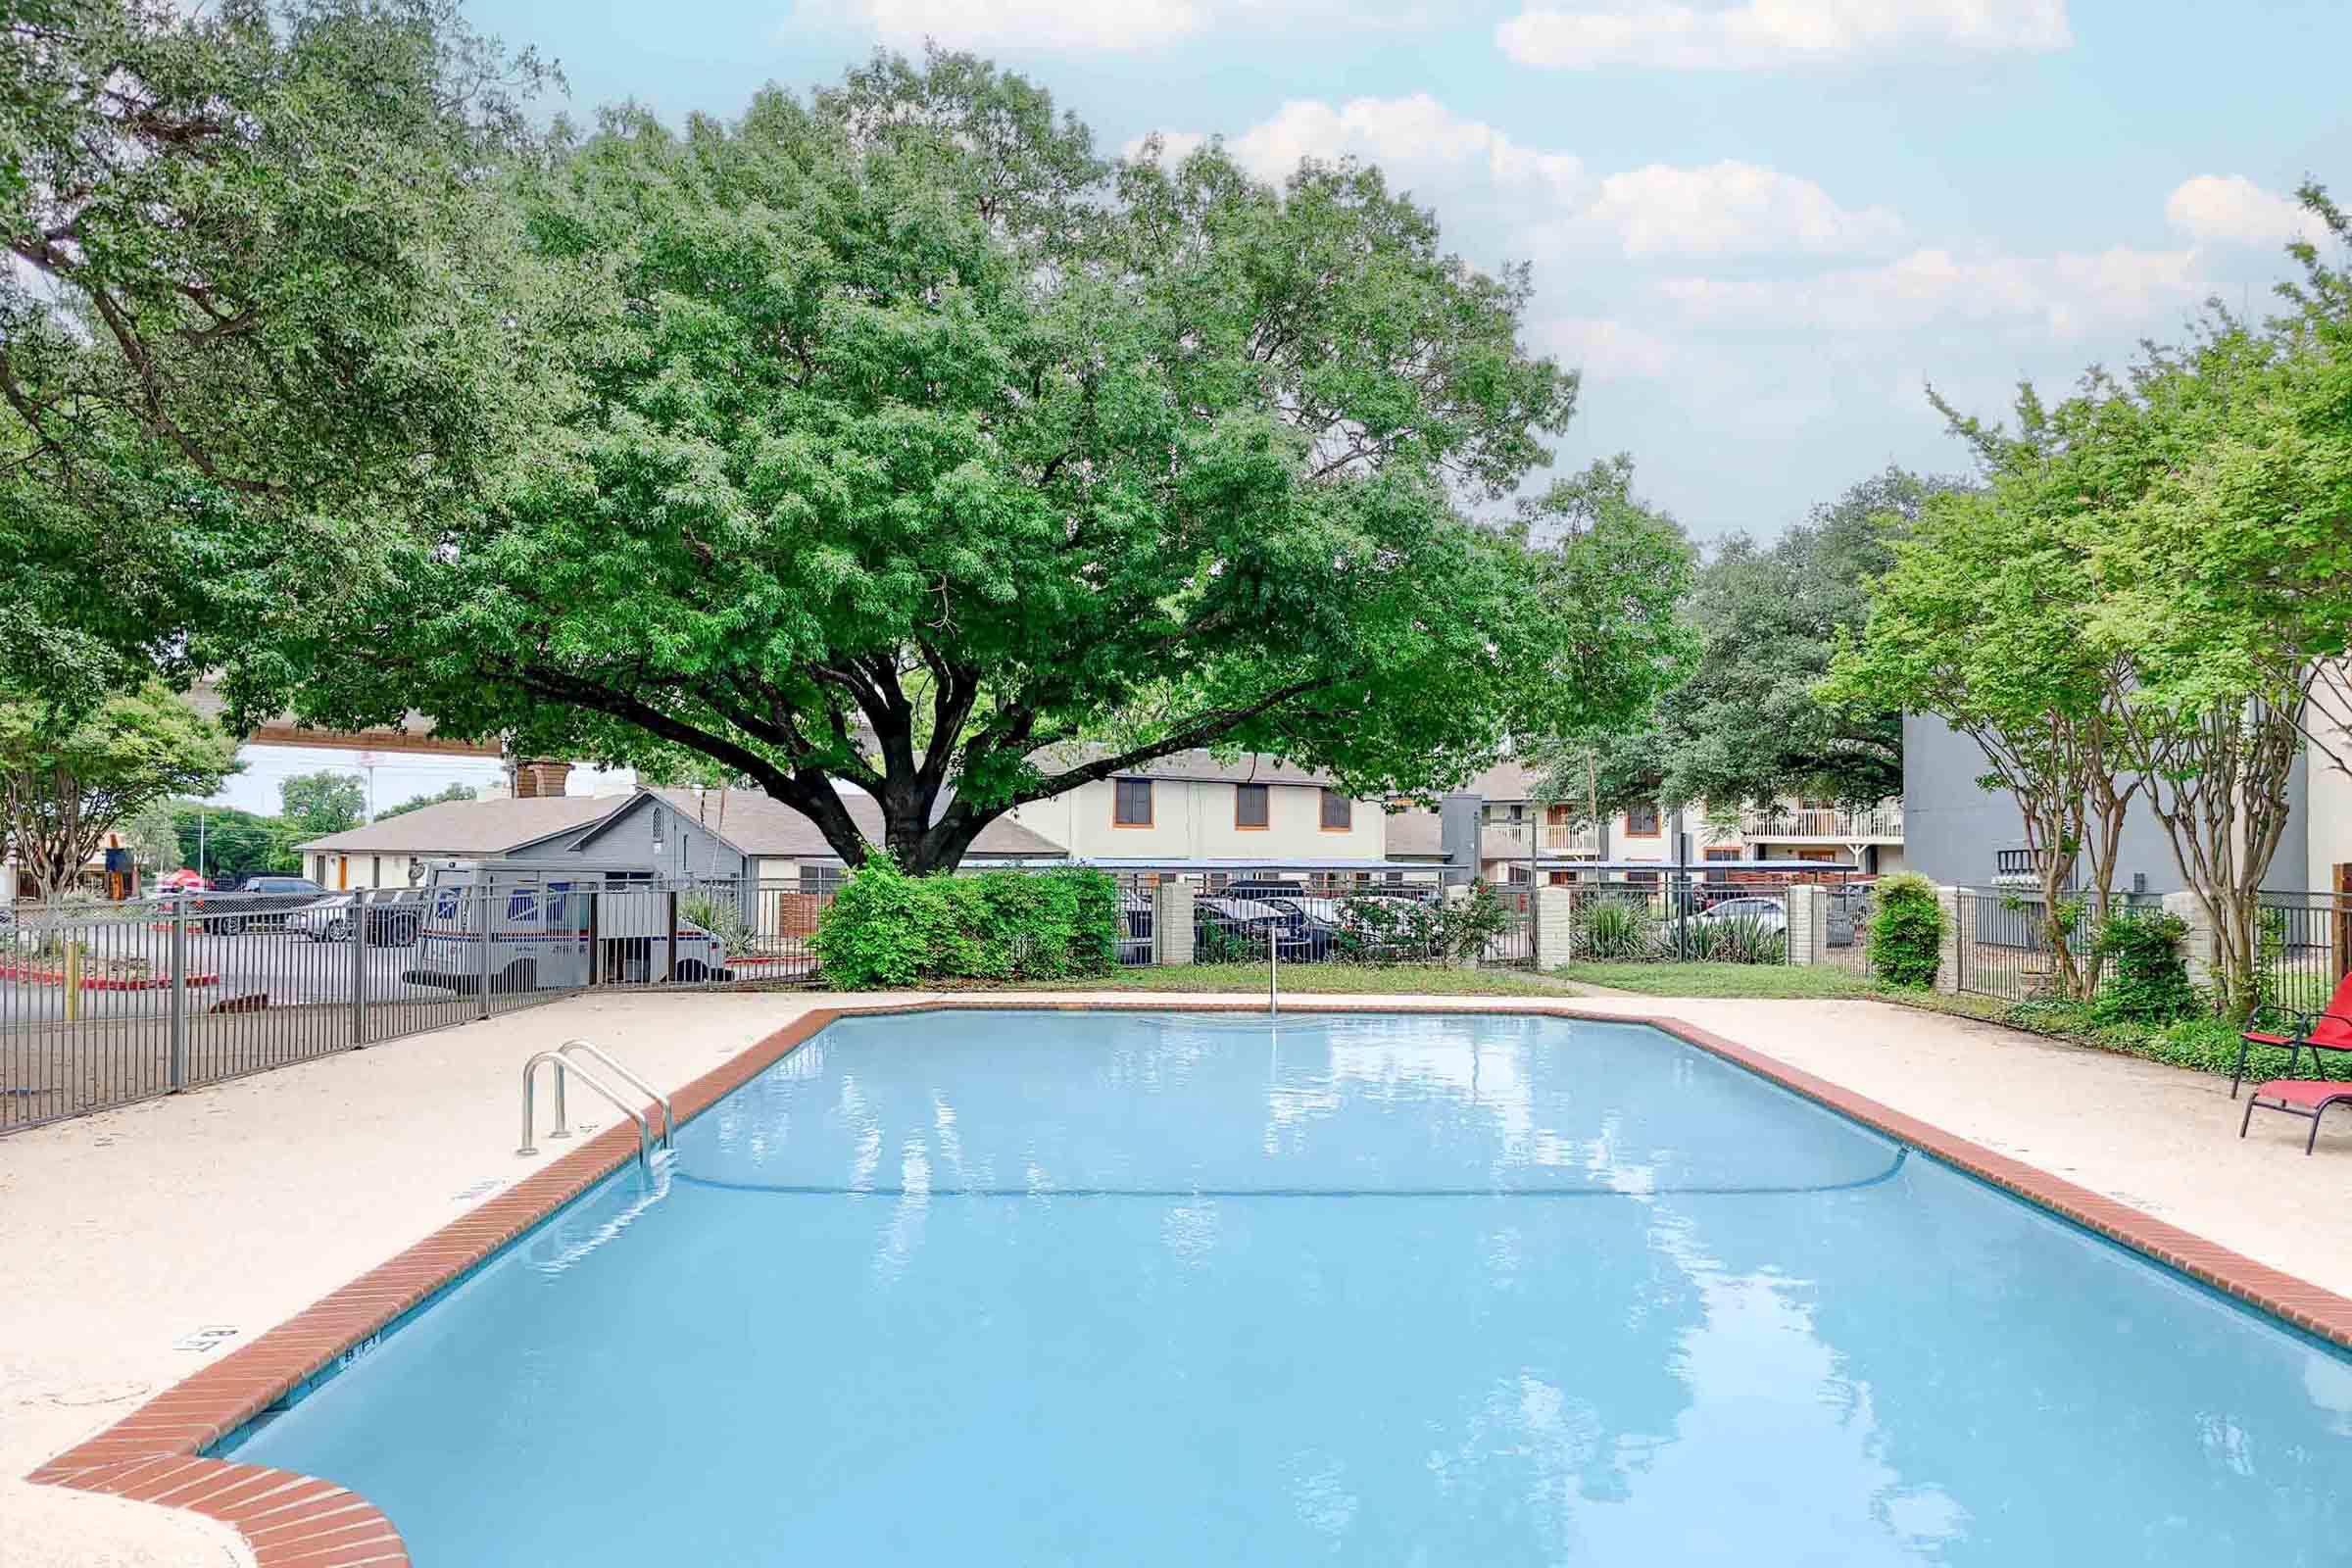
1303,979
1725,979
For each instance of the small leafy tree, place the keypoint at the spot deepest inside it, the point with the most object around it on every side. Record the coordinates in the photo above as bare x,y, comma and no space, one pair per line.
1985,622
69,777
312,804
1906,930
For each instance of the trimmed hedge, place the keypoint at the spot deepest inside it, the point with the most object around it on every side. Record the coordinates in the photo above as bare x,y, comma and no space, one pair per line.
1906,933
885,929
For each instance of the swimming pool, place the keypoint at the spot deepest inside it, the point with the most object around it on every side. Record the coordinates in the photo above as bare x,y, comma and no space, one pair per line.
1009,1287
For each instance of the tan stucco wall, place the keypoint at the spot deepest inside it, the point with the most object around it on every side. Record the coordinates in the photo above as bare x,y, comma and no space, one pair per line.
1194,819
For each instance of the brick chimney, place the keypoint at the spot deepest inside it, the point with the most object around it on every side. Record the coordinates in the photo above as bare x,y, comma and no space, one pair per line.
534,779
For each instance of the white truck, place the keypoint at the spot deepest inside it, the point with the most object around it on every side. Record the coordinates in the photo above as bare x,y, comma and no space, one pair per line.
529,925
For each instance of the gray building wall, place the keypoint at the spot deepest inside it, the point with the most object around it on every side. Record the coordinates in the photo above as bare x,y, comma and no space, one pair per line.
1952,827
687,848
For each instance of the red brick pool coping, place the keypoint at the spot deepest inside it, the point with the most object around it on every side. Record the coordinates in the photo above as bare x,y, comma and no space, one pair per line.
297,1520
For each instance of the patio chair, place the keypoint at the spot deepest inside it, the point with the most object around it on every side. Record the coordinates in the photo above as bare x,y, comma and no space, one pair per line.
2308,1098
2274,1025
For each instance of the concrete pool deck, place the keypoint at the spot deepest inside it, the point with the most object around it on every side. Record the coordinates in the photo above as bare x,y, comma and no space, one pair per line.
129,1234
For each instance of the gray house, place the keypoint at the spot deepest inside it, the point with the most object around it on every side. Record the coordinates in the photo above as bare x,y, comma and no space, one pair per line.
750,836
1959,834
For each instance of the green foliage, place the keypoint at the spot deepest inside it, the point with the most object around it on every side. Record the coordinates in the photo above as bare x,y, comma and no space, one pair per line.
454,791
314,805
893,438
885,929
1739,939
2147,979
721,917
2200,1042
1906,931
228,845
1386,931
68,775
153,835
1613,928
1747,726
250,318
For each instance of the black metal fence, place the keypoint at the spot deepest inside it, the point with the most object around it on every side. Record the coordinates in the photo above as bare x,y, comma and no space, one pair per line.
2302,948
102,1005
1328,915
1677,920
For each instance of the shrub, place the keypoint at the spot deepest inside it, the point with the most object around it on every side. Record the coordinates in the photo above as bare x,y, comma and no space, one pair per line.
887,929
1615,929
1386,930
2146,980
1465,928
722,918
1906,931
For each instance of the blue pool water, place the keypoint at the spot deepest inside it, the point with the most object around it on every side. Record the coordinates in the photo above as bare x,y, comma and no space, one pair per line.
999,1289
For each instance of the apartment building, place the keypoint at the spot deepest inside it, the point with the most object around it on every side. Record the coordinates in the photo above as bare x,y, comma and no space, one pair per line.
1194,806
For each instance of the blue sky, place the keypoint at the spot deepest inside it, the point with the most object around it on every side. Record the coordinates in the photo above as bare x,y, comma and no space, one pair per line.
1760,227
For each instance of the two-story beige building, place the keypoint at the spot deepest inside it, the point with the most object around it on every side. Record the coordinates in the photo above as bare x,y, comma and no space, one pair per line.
1193,807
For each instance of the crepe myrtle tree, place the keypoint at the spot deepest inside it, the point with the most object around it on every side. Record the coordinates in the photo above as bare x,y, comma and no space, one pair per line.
902,441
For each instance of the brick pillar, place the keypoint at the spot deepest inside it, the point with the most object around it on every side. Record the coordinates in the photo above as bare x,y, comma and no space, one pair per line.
1556,925
1172,922
1947,957
2196,948
1808,923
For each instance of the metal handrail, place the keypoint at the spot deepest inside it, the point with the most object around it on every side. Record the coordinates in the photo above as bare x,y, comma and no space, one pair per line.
564,1065
670,1117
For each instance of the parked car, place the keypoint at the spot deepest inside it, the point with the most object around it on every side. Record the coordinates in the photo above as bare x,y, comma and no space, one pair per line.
182,880
1769,914
258,903
391,919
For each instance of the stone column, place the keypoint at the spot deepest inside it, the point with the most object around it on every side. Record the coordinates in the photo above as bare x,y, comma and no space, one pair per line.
1947,957
1808,924
1556,925
2196,948
1172,922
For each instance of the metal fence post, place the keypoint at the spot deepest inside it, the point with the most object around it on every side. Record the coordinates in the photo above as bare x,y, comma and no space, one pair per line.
482,926
178,911
359,971
596,947
669,934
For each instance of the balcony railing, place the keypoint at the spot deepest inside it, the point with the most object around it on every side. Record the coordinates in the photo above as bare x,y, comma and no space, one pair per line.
1556,838
1884,821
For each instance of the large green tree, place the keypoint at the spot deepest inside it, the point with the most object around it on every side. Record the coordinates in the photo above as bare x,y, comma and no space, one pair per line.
1747,727
244,320
69,775
894,438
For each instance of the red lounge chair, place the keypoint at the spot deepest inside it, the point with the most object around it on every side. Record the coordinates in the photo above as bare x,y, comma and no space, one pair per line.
2308,1098
2274,1025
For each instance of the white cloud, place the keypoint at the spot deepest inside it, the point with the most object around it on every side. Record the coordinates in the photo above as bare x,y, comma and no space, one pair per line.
1765,33
2065,295
1102,27
2232,210
1550,200
1607,350
1734,209
1406,136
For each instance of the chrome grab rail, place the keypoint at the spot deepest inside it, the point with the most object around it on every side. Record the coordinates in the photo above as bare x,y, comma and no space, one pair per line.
563,1066
670,1117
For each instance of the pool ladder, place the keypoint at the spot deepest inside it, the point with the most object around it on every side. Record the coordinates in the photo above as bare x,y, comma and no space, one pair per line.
561,1058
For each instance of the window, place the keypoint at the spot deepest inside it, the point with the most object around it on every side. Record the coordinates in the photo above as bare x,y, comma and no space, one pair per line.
1250,806
1339,812
1131,802
1722,852
822,879
1642,821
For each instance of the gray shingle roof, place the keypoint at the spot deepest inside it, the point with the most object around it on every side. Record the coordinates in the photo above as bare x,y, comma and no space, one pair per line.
759,825
471,828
